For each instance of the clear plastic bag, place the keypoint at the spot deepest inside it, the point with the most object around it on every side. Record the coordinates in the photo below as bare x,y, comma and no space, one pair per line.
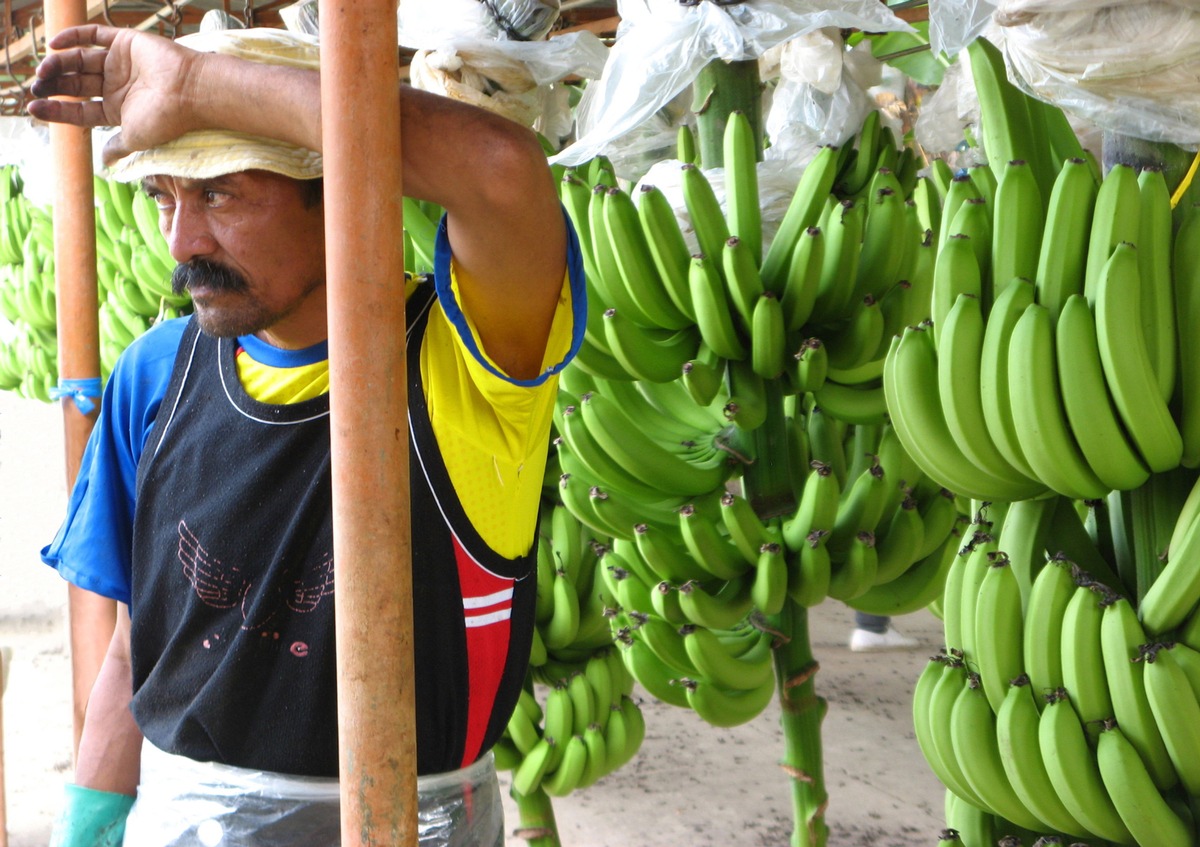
184,803
953,24
519,20
661,47
462,53
1130,68
819,99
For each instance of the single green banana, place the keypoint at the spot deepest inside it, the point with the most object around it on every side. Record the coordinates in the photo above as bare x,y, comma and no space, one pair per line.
1116,219
955,272
745,528
1071,765
1042,639
855,571
960,353
993,372
998,629
939,712
715,552
1083,657
528,775
1037,409
1017,220
1154,272
649,354
1063,256
803,211
960,189
1175,707
704,210
768,337
742,279
855,342
803,278
862,405
723,609
973,734
839,267
1149,817
635,264
715,662
667,246
597,755
566,777
882,254
744,211
714,316
1005,124
857,175
1186,269
1017,738
1126,360
724,708
652,674
811,366
1121,640
1088,404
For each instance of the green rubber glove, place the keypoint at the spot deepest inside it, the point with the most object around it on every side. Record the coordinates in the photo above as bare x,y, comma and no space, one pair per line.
91,818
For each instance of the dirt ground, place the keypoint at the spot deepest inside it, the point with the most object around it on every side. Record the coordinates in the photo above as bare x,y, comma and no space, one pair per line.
690,784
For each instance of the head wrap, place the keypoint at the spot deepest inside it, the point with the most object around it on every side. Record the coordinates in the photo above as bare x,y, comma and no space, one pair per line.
208,153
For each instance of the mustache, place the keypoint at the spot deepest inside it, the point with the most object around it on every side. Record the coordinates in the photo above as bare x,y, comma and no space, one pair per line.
207,274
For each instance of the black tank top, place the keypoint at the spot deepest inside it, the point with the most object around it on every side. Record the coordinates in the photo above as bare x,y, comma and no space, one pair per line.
233,580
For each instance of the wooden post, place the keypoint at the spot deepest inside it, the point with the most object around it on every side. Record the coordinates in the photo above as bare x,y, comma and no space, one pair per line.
91,617
360,114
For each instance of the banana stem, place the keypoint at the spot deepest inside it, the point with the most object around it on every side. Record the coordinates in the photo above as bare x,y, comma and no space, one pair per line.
1170,158
537,825
721,89
803,711
1152,511
767,480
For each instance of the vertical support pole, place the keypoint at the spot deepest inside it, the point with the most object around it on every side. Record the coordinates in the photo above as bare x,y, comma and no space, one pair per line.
360,116
91,617
4,658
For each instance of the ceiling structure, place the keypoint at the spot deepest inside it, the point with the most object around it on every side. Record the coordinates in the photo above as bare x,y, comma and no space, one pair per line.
24,28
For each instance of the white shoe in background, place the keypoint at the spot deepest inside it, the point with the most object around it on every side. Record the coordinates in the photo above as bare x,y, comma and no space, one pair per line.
865,641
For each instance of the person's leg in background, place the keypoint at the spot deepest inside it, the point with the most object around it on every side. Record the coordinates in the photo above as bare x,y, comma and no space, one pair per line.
875,632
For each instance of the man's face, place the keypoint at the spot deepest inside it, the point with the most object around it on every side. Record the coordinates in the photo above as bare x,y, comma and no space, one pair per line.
251,252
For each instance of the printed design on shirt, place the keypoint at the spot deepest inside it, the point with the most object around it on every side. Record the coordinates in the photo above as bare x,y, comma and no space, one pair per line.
223,586
485,609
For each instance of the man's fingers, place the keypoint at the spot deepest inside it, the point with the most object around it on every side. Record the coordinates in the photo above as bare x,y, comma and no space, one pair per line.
68,86
88,113
87,35
114,150
77,61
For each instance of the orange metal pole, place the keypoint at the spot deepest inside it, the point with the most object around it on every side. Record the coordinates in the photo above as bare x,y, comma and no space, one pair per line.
91,616
360,114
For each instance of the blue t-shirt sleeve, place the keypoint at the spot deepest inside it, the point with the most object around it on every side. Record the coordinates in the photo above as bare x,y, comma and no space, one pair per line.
445,294
93,546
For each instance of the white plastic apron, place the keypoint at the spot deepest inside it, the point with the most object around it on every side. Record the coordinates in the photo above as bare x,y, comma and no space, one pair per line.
185,803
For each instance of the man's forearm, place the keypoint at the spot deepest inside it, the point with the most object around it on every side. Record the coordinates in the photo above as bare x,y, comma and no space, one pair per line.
272,101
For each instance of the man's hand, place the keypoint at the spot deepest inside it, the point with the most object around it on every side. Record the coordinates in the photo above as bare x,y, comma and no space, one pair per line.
125,78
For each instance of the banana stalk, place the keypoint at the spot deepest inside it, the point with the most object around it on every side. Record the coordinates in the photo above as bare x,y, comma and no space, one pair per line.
767,480
537,825
802,712
721,89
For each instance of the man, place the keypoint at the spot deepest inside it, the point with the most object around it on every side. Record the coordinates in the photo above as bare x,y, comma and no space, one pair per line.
203,500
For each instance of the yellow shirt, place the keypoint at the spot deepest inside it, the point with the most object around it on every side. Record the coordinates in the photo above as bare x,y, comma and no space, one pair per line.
492,433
